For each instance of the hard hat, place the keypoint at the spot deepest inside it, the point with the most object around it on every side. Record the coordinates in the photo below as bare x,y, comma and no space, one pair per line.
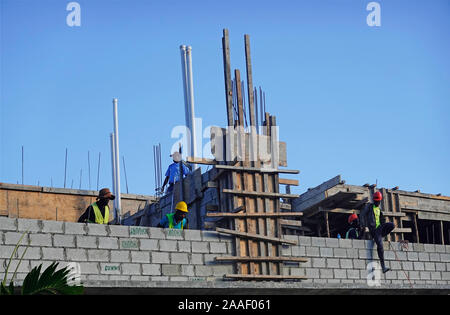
377,196
182,206
352,218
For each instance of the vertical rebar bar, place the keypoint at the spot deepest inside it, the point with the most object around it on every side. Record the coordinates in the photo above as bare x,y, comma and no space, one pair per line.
65,170
125,171
22,167
89,170
98,169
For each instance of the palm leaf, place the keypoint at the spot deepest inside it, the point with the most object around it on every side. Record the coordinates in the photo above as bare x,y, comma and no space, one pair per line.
51,281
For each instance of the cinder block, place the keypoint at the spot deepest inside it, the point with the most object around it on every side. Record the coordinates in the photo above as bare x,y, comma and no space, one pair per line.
53,253
446,276
108,242
97,278
440,248
318,241
31,252
353,274
425,275
40,239
185,246
447,249
332,263
352,253
407,265
120,256
312,273
98,255
179,278
171,270
318,263
118,231
435,257
297,251
389,255
344,243
160,258
312,251
159,278
340,273
86,241
332,242
196,259
360,244
200,247
129,243
12,238
304,240
346,263
140,257
326,273
75,228
187,270
151,269
89,268
218,248
140,278
429,248
96,229
174,234
424,256
168,245
118,278
8,224
65,241
203,271
110,268
395,265
147,244
326,251
131,269
414,275
221,270
192,235
52,226
418,247
76,254
359,264
340,253
440,266
29,225
179,258
285,250
419,266
430,266
156,233
445,257
24,266
139,231
413,256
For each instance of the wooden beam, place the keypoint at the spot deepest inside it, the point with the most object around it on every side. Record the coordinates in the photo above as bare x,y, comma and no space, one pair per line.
196,160
256,215
262,258
248,66
237,79
290,222
227,75
285,181
257,169
264,277
394,214
260,194
256,236
402,230
285,206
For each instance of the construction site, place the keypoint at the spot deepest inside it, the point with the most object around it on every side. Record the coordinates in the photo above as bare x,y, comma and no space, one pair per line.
248,234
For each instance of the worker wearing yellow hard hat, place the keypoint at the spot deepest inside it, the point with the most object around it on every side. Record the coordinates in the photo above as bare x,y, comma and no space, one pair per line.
177,219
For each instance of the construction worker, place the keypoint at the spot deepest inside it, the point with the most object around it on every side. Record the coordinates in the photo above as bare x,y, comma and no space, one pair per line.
98,212
173,172
372,217
177,219
354,230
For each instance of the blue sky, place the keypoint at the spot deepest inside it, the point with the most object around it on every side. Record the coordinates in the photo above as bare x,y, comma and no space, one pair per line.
369,103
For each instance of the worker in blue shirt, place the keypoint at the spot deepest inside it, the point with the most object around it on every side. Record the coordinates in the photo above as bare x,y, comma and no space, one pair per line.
173,172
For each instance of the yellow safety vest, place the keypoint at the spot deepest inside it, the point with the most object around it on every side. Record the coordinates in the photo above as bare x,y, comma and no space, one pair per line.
99,219
376,212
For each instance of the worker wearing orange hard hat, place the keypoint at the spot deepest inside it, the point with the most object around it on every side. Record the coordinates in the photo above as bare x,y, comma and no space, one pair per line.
372,218
354,230
177,219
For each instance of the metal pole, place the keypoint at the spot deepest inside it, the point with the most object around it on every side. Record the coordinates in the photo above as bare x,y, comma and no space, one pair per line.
113,168
193,149
184,75
117,160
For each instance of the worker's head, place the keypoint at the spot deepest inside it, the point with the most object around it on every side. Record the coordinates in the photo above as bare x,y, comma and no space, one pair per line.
105,195
353,219
176,156
181,209
377,197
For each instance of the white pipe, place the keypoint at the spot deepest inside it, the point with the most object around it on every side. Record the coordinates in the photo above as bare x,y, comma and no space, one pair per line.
117,160
185,87
193,150
113,168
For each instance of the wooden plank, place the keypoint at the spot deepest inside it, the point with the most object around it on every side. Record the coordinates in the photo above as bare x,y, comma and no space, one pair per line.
290,222
261,194
264,277
402,230
204,161
255,214
433,216
257,169
237,79
227,76
285,181
248,66
210,207
262,258
394,214
285,206
256,236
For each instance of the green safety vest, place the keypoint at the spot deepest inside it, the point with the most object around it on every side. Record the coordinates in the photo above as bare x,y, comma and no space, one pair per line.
99,219
376,212
171,220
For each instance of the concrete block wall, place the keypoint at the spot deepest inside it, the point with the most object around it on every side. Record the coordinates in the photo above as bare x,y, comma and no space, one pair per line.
135,253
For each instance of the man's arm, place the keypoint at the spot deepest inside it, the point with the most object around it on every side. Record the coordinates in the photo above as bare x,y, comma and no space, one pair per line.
85,216
165,183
